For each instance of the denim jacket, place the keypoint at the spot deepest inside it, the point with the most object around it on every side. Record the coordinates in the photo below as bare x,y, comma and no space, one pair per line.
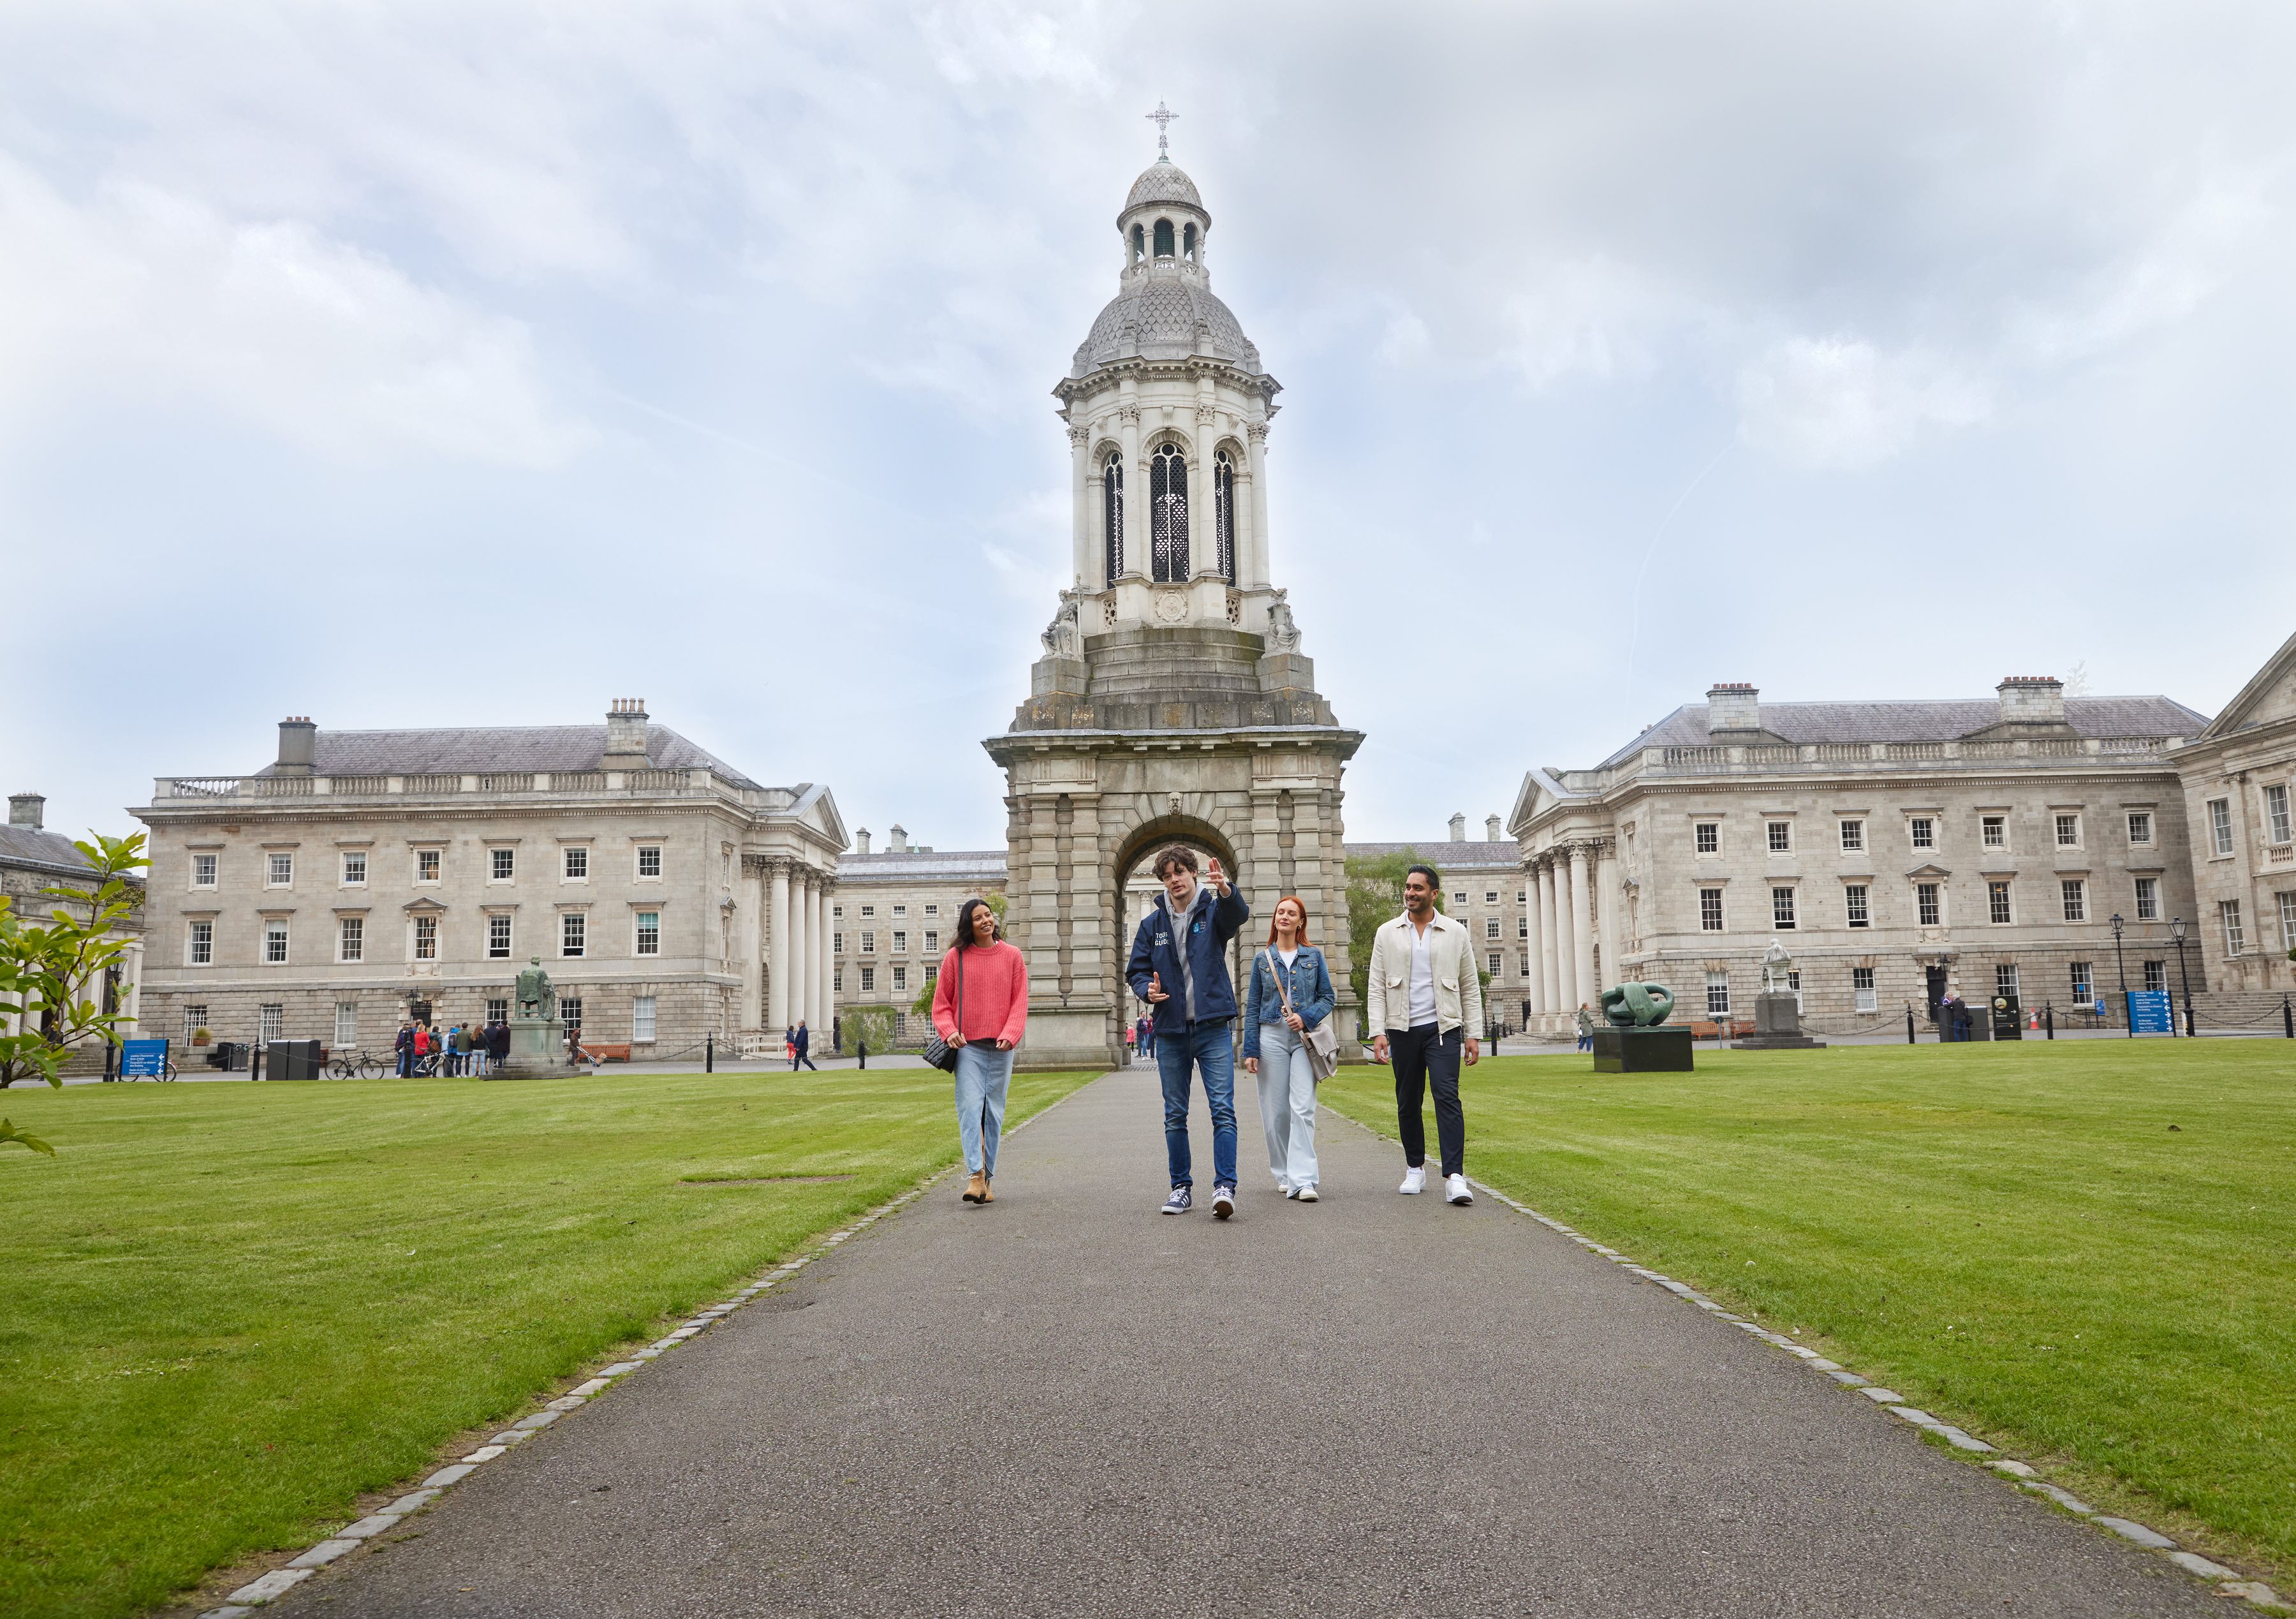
1309,980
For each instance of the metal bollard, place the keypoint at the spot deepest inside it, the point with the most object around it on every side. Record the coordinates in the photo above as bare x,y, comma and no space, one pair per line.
1909,1022
2049,1011
710,1052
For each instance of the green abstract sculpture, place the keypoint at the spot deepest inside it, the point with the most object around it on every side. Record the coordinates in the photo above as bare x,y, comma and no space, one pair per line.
1637,1006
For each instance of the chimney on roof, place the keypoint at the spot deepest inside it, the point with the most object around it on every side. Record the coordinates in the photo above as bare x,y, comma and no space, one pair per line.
299,746
24,809
2031,700
1458,828
626,736
861,840
896,842
1491,833
1732,705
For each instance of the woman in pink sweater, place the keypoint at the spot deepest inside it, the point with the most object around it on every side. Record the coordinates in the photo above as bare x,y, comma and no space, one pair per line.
989,980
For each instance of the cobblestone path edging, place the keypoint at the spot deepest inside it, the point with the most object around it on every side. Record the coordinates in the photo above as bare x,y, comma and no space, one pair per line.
2230,1582
279,1581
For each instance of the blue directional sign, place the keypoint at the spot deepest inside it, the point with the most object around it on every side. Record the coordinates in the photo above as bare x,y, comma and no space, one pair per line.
2149,1013
144,1060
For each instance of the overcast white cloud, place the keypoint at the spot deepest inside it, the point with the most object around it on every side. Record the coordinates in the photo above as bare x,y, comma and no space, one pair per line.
478,362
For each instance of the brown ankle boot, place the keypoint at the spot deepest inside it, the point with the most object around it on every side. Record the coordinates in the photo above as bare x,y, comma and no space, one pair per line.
976,1190
987,1195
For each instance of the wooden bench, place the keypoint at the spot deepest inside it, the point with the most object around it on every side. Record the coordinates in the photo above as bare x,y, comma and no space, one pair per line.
596,1052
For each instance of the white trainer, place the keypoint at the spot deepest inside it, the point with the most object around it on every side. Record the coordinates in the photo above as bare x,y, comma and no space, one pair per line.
1414,1180
1307,1193
1454,1190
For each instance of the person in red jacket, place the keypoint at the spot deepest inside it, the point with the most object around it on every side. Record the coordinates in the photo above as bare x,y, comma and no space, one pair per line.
989,980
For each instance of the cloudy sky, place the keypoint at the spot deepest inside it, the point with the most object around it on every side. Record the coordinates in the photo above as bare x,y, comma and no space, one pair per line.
471,363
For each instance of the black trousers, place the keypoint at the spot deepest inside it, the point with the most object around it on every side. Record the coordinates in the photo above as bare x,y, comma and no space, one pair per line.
1422,1057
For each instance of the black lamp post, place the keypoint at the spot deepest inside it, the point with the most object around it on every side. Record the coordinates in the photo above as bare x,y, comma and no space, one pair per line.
2121,964
2177,926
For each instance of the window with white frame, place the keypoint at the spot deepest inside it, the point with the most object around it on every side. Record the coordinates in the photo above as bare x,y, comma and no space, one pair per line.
1522,964
1709,910
868,944
642,1015
869,911
195,1018
270,1021
1706,837
1781,837
347,1023
1926,907
2084,984
426,938
932,941
570,1013
2275,812
203,871
1994,831
283,871
2140,826
1861,984
2156,977
649,933
1522,927
351,946
427,862
648,860
499,1010
900,978
2069,831
1925,831
200,947
498,937
932,911
274,942
836,910
868,980
900,910
932,974
2221,824
502,865
1853,836
1459,899
900,941
1494,964
1782,907
2076,896
1997,901
2287,920
836,980
2235,940
1717,994
1491,927
2148,899
1522,895
573,934
354,868
1853,905
2004,978
578,863
1491,898
836,942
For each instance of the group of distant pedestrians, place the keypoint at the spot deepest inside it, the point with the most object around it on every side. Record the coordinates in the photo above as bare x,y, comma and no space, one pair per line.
462,1049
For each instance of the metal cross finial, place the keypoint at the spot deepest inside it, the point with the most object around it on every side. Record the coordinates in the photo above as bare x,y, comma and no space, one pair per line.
1162,118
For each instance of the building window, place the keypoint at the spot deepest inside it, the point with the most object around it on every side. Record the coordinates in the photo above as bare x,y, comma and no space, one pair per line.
1167,515
2084,990
648,932
901,979
649,860
270,1021
577,864
1494,964
932,911
2076,895
641,1010
2069,831
2287,921
900,910
869,911
1781,837
1782,907
202,943
274,942
1925,904
570,1013
203,871
573,934
1459,899
900,941
283,871
1925,832
932,941
868,944
837,910
1853,904
1853,836
2234,941
1996,830
426,865
1491,898
1706,837
868,980
2148,899
836,980
347,1023
498,938
2005,979
1223,510
1861,981
503,864
2221,824
1996,900
1522,964
1522,927
1709,910
195,1018
2156,976
498,1011
1163,238
836,942
1491,927
1717,994
2140,826
355,868
1112,506
426,938
2275,812
354,939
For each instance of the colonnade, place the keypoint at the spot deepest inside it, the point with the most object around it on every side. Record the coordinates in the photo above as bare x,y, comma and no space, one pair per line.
794,922
1573,923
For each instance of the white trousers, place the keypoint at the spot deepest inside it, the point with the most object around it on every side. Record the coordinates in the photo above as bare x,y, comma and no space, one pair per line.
1287,1105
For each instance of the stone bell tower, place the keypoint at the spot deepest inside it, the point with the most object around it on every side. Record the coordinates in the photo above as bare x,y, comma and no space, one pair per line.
1172,703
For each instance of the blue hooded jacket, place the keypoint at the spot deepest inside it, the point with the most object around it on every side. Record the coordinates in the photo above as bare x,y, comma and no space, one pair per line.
1206,929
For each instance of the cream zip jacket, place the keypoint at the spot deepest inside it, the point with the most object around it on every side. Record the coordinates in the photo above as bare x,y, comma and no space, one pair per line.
1458,987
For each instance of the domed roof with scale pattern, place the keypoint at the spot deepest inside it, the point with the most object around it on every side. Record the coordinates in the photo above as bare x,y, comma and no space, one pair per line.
1163,182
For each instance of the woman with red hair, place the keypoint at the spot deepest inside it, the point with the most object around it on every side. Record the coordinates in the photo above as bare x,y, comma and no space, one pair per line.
1290,993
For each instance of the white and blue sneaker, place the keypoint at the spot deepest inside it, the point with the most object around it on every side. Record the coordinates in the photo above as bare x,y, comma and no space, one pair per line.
1180,1201
1223,1202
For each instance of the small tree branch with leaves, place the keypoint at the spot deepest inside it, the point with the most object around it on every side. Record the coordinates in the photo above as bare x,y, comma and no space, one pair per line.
52,977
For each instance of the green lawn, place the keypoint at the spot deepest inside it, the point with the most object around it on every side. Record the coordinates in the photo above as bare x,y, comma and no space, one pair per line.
2011,1236
230,1309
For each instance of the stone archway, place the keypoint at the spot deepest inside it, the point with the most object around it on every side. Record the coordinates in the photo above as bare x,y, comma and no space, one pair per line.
1137,848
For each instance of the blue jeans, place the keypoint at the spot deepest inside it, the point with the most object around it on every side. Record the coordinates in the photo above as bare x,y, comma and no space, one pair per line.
1209,1046
983,1073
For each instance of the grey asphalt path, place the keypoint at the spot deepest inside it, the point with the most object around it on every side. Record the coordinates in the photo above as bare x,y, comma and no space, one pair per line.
1066,1403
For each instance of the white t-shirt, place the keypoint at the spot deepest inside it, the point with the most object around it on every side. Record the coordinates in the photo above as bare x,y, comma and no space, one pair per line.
1421,1003
1286,957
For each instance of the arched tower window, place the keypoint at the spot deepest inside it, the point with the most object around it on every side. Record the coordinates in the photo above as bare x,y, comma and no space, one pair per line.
1163,238
1188,241
1111,500
1224,514
1167,515
1139,244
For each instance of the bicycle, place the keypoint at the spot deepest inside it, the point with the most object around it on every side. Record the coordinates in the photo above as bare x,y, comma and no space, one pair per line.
364,1065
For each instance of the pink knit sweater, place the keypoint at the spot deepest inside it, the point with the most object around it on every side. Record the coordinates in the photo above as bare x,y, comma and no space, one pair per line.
995,994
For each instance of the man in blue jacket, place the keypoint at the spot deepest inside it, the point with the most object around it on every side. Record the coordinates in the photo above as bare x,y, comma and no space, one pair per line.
1179,967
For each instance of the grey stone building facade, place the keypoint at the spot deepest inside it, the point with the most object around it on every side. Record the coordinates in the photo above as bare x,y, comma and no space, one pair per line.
1484,889
2239,775
894,912
363,875
34,860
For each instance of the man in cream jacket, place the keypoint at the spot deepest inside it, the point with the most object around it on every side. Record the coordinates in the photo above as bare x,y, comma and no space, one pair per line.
1426,1002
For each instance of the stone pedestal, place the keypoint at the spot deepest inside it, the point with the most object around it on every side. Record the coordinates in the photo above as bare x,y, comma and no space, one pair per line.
1642,1050
1777,1027
537,1049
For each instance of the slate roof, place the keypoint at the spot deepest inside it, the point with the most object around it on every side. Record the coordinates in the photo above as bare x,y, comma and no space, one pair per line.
1162,182
1920,721
1444,856
22,846
939,865
485,748
1163,314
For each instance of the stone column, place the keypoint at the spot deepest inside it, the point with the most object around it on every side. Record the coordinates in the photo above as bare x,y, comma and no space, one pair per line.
1606,912
826,1015
777,950
1582,932
1550,937
1535,941
749,944
1096,543
814,953
1256,432
132,970
1566,944
1080,453
1135,485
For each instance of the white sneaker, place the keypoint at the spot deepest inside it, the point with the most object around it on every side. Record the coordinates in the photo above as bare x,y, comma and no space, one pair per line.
1455,1190
1307,1193
1414,1180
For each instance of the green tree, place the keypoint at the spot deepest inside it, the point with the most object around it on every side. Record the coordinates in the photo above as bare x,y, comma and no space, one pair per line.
1375,898
870,1025
52,977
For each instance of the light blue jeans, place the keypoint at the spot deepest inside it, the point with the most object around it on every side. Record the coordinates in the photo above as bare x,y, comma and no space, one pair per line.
983,1074
1287,1105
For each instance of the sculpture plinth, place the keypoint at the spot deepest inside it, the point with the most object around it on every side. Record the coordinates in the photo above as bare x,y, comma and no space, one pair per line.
537,1049
1635,1042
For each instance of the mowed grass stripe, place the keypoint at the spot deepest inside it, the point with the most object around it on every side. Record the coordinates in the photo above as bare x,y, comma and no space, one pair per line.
234,1308
2010,1234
